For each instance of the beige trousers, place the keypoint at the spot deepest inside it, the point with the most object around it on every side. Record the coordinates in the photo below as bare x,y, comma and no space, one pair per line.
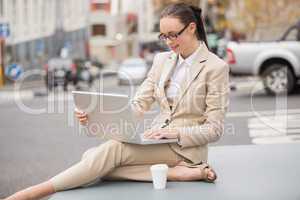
114,160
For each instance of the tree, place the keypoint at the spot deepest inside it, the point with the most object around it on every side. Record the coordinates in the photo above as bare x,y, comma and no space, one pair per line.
252,15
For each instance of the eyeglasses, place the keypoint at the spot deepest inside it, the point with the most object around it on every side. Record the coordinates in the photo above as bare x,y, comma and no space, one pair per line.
172,36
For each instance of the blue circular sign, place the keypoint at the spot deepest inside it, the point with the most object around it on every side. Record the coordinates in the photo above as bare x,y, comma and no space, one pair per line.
14,71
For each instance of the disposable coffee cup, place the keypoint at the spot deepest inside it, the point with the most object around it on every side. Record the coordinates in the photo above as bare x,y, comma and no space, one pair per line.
159,176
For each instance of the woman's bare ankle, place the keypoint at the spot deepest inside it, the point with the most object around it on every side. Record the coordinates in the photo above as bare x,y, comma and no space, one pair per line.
183,173
172,175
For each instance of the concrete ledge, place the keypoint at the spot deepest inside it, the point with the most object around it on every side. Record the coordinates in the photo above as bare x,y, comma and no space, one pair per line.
254,172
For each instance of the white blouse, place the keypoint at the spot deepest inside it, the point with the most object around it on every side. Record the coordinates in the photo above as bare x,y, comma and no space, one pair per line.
179,73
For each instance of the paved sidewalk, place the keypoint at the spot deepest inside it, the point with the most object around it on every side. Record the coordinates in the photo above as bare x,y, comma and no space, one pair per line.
28,90
254,172
29,85
36,88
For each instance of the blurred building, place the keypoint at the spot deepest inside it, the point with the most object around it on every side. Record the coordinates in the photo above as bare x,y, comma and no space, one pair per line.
40,28
122,28
117,28
108,33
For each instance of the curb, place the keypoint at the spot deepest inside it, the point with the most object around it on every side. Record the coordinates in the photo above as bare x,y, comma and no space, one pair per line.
246,86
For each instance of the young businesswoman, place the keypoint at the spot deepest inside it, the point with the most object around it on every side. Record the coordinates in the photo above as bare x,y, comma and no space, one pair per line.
190,84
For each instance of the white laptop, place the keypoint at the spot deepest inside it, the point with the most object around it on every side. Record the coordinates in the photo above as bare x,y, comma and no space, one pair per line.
110,117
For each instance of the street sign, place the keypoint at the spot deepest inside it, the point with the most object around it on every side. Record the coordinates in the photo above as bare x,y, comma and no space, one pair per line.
4,30
14,71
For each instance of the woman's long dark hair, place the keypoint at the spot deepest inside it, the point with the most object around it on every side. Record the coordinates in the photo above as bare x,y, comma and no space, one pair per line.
187,14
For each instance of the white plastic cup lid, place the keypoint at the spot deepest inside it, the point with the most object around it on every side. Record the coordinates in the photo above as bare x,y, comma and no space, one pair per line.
159,167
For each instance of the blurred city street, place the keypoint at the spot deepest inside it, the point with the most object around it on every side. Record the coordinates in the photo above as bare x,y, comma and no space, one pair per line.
34,141
50,48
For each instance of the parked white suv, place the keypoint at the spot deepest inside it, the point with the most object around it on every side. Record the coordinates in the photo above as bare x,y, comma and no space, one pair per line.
132,71
276,62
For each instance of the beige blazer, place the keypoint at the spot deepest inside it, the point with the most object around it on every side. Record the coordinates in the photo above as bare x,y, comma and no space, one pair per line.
199,109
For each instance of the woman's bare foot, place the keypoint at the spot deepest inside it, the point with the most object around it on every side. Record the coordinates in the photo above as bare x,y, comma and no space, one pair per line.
183,173
34,193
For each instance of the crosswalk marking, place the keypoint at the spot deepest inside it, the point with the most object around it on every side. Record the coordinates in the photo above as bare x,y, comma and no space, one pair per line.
262,113
275,129
272,132
278,122
249,86
278,139
8,96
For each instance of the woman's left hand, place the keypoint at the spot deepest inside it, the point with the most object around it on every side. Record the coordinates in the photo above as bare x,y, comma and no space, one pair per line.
161,133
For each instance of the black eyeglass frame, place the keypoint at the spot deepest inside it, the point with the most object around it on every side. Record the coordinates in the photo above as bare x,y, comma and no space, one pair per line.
174,36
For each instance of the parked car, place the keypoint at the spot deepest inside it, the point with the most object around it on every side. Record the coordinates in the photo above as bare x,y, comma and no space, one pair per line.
87,71
150,48
59,72
132,71
276,62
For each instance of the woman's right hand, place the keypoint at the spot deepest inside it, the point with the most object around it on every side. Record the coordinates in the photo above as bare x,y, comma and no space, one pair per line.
137,111
81,116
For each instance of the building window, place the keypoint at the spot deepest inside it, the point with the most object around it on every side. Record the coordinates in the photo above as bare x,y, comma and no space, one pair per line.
100,6
98,29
